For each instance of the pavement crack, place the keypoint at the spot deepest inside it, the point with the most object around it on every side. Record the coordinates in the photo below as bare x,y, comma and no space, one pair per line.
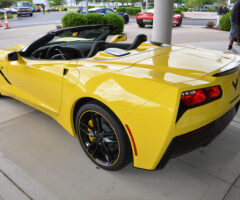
16,185
230,188
24,115
184,162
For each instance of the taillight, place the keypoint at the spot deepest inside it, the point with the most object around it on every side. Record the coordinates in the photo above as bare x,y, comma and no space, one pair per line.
193,97
201,96
213,92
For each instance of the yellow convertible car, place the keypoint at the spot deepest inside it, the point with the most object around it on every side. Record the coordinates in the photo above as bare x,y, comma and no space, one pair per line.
143,102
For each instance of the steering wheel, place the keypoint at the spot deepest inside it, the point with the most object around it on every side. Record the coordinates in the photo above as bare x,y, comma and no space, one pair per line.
61,53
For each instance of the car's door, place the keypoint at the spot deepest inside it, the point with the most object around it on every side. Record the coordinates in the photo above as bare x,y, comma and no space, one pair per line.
38,82
5,85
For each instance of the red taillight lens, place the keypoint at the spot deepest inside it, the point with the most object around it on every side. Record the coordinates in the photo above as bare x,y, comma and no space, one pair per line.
193,97
213,92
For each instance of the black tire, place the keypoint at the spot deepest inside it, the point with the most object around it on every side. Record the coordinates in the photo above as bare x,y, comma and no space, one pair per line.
18,15
141,25
31,15
179,22
107,145
126,20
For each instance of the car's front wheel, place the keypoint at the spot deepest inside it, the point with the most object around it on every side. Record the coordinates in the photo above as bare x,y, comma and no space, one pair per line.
179,22
102,136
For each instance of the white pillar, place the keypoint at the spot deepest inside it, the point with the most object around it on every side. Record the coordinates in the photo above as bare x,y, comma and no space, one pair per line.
162,22
146,5
86,1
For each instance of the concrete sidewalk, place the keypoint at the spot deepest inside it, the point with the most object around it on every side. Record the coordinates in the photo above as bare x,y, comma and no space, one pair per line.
39,160
201,15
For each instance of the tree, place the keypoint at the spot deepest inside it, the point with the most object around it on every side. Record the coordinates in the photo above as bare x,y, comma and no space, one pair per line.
195,3
57,2
5,3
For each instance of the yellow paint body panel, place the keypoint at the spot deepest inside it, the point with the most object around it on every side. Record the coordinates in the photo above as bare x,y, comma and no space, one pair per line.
143,89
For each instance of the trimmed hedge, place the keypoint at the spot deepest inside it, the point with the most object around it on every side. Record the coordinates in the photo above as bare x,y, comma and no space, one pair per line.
95,18
225,23
115,19
129,10
74,19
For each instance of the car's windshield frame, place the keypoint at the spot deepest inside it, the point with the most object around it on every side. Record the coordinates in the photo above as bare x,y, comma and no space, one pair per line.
29,49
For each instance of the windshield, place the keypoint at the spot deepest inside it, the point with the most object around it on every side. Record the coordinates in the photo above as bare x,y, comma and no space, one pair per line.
81,35
23,4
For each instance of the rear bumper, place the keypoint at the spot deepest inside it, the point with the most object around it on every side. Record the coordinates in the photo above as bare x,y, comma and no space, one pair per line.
140,21
197,138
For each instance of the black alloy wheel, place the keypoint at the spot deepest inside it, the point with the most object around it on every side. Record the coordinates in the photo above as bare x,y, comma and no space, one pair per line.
102,136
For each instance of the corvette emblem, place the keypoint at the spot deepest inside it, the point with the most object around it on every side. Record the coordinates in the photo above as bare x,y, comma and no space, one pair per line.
235,84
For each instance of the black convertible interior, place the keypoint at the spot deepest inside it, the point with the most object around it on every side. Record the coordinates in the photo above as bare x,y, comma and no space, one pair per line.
76,43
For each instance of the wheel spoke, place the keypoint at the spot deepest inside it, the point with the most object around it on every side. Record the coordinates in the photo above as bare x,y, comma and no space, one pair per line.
93,147
91,134
86,126
93,117
108,140
99,123
106,134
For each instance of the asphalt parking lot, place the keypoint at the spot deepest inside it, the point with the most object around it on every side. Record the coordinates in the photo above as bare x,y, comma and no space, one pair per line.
39,160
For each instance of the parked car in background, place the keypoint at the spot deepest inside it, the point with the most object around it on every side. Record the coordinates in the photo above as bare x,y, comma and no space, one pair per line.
104,11
146,18
24,8
8,10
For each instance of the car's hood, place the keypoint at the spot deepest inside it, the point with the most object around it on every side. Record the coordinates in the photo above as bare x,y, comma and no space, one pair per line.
181,63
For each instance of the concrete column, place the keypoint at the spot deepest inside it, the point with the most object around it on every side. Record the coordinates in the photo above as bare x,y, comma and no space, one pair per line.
86,6
162,22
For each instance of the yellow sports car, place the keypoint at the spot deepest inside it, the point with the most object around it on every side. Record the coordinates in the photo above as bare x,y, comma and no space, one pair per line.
143,102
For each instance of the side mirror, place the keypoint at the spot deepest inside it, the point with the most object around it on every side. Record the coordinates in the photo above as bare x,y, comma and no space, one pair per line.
119,38
13,56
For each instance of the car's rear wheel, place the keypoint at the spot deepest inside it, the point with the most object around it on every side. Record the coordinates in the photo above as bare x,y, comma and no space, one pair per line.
102,136
141,25
31,15
179,22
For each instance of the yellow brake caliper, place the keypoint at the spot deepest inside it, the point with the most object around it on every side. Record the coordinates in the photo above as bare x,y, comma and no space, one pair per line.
90,123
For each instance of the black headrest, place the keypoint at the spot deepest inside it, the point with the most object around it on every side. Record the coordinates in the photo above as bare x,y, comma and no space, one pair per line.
138,40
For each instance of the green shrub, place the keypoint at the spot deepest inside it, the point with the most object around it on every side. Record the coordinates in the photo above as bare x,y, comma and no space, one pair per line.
74,19
129,10
115,19
65,9
95,18
185,9
9,16
121,9
150,7
177,10
225,23
89,7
